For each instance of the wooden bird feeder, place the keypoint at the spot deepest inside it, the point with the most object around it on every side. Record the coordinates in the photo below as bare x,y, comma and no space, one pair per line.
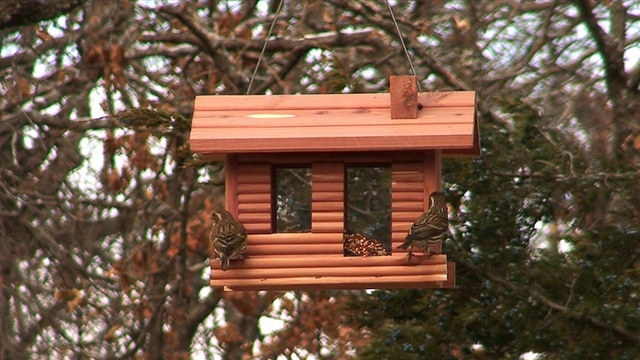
406,130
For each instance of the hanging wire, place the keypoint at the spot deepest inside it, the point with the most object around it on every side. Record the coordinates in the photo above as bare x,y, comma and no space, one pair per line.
264,47
406,51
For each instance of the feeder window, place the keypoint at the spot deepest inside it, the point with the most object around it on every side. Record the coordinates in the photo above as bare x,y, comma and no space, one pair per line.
368,210
292,199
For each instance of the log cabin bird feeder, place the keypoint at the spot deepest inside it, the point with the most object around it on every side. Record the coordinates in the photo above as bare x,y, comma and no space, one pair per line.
405,130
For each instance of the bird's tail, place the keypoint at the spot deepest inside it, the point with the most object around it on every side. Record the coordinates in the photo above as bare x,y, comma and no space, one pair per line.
405,245
410,237
224,263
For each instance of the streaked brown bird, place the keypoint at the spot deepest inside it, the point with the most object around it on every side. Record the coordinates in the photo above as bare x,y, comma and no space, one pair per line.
430,228
228,237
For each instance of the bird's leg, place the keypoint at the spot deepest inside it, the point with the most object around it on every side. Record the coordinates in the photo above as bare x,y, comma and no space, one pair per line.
410,252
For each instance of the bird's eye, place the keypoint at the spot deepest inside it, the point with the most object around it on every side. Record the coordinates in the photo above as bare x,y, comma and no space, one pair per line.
215,217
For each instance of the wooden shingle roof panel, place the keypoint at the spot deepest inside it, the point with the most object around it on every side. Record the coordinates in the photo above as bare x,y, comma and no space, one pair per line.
345,122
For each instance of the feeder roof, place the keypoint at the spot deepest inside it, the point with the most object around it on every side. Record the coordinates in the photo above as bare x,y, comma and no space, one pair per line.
228,124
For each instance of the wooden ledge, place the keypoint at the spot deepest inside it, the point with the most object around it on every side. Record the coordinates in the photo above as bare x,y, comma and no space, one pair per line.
315,272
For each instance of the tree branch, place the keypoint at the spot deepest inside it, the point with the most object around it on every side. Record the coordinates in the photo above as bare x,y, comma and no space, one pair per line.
610,51
526,292
25,12
612,54
197,315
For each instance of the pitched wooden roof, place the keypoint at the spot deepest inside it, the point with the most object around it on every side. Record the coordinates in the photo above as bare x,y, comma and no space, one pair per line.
224,124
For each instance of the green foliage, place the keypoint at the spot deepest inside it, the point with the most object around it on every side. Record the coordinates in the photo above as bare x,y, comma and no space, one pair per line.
514,296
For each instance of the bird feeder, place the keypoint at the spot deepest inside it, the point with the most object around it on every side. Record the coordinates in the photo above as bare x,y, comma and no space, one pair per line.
407,131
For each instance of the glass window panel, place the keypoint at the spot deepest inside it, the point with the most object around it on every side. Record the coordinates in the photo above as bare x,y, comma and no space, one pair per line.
368,204
292,199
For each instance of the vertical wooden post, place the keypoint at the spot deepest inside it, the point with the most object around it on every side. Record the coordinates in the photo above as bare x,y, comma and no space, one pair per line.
451,276
231,184
432,181
432,173
407,198
327,197
254,196
404,97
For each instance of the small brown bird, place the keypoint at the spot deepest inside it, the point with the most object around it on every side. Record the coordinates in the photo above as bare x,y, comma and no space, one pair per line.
430,227
228,237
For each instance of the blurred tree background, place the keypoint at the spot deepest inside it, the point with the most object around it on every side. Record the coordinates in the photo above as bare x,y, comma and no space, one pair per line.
104,212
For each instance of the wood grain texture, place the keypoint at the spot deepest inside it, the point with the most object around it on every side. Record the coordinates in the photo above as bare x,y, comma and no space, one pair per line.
258,228
314,287
446,98
253,173
407,186
299,261
323,170
342,122
246,177
409,166
327,206
432,163
264,207
295,238
319,272
328,174
255,198
407,206
327,227
328,156
334,272
445,134
319,186
327,196
293,102
231,184
407,176
259,217
409,196
297,249
320,101
321,119
248,188
329,217
364,282
451,276
403,100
